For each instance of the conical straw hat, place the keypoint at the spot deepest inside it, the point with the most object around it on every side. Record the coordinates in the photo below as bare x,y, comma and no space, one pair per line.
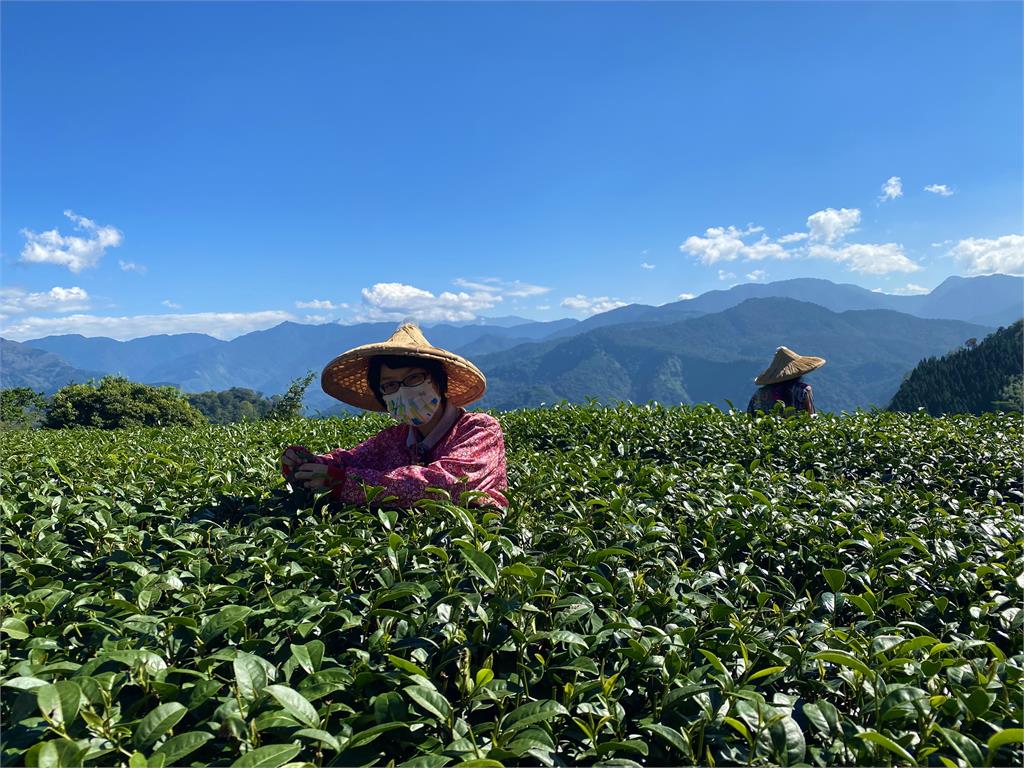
345,377
786,365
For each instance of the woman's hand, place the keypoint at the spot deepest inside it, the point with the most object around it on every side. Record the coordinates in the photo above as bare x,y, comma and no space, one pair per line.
307,470
293,457
311,476
317,477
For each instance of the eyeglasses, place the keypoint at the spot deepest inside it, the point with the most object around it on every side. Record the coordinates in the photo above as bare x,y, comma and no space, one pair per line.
412,380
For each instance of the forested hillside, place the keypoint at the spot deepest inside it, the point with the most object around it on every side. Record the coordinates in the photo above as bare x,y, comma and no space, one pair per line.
974,379
714,358
232,405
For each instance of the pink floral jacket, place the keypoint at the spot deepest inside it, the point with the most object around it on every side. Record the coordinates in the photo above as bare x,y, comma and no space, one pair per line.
470,457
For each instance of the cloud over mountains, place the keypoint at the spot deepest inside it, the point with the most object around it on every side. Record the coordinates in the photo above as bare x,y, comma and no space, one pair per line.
824,239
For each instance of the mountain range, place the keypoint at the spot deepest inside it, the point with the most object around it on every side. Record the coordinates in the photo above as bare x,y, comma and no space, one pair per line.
705,348
715,357
991,300
25,366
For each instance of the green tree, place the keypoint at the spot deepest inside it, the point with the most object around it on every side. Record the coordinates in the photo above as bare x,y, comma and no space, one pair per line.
117,402
1012,396
231,405
289,405
20,407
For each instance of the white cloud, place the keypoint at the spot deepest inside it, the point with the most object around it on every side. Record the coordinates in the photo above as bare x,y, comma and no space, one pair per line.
727,244
765,248
515,288
487,284
892,189
687,296
222,325
591,305
910,289
397,301
939,189
543,307
75,253
831,224
320,304
942,244
317,319
984,257
645,265
827,230
523,290
16,301
131,266
870,258
796,237
170,304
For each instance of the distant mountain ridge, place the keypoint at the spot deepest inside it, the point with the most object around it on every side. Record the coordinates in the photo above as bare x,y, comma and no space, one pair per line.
988,300
991,300
46,372
268,360
133,358
714,358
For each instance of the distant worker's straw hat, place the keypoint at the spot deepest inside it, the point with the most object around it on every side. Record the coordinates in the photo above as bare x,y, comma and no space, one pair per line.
786,365
345,377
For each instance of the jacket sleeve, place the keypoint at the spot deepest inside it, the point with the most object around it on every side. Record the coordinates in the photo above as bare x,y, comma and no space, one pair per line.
809,400
379,451
473,460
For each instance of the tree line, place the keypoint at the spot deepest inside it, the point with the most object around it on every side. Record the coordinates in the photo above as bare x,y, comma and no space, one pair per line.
980,377
115,401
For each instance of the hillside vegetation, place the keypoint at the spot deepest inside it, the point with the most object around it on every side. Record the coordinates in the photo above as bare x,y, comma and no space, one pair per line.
670,586
974,379
714,358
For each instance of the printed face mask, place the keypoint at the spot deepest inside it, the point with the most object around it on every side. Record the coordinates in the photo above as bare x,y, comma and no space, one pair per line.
414,405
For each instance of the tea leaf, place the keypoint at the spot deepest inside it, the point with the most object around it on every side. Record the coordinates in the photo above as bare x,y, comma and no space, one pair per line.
273,756
295,704
158,722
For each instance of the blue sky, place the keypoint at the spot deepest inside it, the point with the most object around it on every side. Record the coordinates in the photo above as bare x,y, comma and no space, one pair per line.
220,168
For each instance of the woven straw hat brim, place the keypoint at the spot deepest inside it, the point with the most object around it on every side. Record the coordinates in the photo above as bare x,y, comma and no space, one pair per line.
345,377
788,365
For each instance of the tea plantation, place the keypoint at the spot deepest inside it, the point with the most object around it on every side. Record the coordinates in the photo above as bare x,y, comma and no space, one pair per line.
671,586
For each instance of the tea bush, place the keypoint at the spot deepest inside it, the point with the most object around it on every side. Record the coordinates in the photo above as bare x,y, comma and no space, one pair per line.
670,586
